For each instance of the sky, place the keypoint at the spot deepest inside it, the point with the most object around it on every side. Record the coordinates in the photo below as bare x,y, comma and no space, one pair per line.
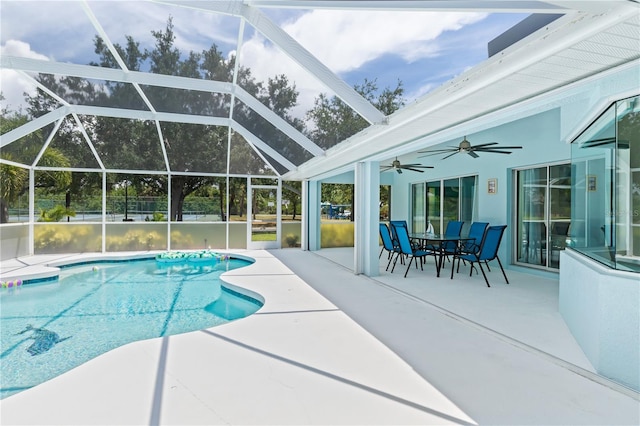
423,50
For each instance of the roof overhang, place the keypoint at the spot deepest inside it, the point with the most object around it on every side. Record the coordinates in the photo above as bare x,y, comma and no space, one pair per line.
572,48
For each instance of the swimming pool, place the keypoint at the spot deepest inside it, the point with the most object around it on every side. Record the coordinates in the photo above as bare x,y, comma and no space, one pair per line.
49,328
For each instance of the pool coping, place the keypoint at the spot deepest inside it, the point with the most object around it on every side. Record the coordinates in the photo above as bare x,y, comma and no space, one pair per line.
297,351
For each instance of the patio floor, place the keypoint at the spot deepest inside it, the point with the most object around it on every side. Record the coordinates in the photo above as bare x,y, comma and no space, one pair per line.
330,347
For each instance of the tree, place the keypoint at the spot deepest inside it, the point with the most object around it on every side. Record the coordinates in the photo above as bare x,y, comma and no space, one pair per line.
334,121
136,145
292,191
14,181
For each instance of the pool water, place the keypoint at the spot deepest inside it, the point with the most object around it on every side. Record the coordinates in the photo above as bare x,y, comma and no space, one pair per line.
49,328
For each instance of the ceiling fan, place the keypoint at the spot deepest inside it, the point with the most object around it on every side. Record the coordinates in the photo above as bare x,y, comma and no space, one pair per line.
472,150
398,167
593,143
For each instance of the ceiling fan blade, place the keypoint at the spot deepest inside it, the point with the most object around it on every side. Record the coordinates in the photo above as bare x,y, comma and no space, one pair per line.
417,165
605,140
602,142
453,153
451,148
494,151
499,148
434,153
413,170
482,145
473,154
385,168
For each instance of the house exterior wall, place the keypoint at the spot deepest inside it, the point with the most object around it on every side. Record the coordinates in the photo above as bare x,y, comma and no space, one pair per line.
539,135
601,307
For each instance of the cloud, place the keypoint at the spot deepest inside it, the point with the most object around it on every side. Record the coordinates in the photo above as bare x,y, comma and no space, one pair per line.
353,44
12,84
346,40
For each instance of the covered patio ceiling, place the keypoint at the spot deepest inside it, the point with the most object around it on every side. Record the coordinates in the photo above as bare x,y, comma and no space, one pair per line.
591,37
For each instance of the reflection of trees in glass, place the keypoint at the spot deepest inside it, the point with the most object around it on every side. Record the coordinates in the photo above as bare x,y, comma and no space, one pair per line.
385,202
629,135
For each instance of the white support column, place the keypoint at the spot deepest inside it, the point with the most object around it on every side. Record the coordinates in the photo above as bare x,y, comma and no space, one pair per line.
310,239
32,209
367,216
103,228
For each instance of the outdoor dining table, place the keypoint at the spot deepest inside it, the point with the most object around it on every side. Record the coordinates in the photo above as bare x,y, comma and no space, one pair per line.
439,242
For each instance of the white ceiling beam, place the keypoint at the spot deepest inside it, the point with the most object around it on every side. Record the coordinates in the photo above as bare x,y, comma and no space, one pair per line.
109,74
279,122
257,143
292,49
133,114
504,6
33,126
230,7
309,62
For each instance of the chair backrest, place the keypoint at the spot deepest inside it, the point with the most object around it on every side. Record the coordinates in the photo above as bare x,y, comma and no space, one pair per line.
454,228
403,239
385,235
560,229
395,223
491,242
477,231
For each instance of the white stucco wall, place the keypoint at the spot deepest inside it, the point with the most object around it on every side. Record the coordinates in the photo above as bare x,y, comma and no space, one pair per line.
601,307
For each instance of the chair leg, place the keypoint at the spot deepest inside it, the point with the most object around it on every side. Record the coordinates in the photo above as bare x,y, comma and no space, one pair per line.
380,255
395,261
483,274
408,266
389,262
453,266
502,269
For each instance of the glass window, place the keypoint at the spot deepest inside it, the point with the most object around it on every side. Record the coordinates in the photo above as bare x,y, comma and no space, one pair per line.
433,206
385,202
446,200
418,208
451,201
605,167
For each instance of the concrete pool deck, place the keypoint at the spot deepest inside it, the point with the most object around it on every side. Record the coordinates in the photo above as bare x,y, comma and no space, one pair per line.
328,347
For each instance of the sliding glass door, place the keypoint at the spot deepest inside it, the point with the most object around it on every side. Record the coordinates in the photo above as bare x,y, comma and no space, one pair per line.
444,201
543,214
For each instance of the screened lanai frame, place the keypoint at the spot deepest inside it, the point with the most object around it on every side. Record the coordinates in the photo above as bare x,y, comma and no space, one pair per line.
249,13
146,109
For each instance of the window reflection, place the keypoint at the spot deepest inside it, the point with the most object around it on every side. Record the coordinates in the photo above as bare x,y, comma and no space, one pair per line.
606,187
446,200
544,214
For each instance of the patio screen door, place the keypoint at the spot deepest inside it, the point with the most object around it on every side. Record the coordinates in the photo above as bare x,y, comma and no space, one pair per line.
263,217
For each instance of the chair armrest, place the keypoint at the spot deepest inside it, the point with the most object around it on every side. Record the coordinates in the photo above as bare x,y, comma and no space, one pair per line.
468,247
